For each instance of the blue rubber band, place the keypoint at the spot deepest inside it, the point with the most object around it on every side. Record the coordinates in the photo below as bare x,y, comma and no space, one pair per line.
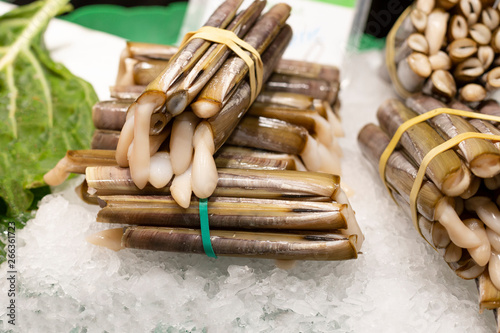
205,229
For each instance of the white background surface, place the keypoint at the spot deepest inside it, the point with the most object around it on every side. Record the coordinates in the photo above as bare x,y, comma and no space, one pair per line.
398,284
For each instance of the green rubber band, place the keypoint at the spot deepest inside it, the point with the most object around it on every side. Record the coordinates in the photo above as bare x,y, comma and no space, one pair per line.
205,229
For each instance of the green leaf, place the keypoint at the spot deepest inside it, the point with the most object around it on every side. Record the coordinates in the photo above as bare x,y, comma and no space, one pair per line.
44,109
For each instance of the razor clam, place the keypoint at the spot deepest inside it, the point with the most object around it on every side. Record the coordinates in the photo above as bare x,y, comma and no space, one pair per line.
440,236
401,174
472,93
473,188
491,79
82,191
108,180
309,69
220,87
487,211
413,71
143,72
482,126
150,50
489,295
481,155
418,19
467,268
490,107
190,84
457,28
446,170
435,32
441,85
111,114
76,161
482,253
469,70
416,42
124,92
495,40
134,52
181,141
224,212
486,55
105,139
490,18
440,61
280,136
452,254
480,33
461,49
310,119
286,99
247,158
286,246
314,87
471,10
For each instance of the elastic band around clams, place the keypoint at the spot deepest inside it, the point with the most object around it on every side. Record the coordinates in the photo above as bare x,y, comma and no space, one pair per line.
231,40
390,54
205,229
433,152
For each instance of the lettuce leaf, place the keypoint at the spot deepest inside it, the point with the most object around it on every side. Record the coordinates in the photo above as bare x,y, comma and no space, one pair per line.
45,110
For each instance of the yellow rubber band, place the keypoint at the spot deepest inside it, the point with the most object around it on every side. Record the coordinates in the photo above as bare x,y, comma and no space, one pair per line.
390,54
238,46
433,152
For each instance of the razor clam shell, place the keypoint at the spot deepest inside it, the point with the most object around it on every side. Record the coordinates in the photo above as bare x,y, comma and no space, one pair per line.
308,246
400,173
489,295
472,150
231,183
247,158
314,87
105,139
441,85
269,134
195,48
221,86
308,69
418,140
226,120
224,212
193,81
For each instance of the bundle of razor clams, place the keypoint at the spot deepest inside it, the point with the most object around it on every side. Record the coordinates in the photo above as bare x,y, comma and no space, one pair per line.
192,124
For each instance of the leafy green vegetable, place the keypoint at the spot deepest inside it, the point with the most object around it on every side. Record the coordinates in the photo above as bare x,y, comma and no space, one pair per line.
44,109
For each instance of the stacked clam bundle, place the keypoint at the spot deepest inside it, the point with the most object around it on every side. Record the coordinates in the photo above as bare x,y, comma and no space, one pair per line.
200,151
450,194
447,49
